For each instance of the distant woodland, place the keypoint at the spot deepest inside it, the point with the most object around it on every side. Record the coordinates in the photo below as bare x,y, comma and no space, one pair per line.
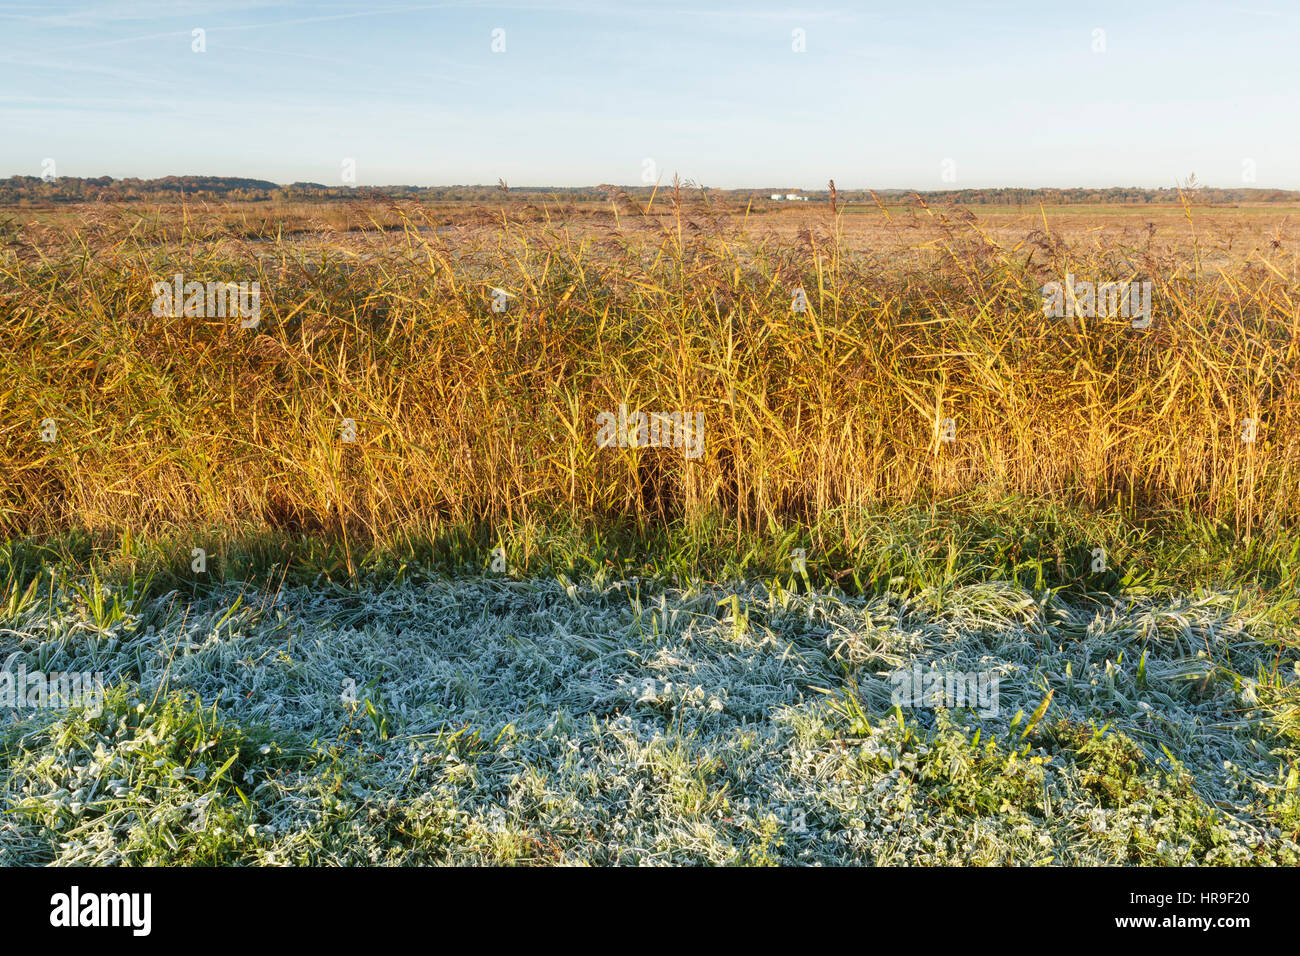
33,190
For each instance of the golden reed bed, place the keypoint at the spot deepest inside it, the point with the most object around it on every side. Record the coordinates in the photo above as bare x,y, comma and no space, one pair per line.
411,367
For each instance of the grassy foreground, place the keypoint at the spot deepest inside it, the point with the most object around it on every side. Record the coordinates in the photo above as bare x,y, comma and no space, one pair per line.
674,699
483,720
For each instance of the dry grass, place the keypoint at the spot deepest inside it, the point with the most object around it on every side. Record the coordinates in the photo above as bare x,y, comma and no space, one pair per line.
463,414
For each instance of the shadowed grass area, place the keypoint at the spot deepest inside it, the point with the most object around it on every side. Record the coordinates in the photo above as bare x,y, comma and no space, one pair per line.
1036,544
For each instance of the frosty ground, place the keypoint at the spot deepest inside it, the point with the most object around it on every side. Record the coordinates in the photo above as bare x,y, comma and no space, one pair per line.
492,720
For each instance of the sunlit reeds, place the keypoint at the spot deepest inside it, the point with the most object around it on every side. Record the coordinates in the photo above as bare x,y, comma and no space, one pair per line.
463,414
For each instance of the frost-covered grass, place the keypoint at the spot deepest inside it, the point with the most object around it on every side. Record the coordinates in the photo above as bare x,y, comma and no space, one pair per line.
620,721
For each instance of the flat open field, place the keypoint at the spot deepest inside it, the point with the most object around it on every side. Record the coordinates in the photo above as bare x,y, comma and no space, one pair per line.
363,580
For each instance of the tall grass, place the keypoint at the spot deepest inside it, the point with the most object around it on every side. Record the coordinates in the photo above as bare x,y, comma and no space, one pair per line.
465,416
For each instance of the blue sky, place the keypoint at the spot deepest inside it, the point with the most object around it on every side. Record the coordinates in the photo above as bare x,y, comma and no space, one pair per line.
1012,93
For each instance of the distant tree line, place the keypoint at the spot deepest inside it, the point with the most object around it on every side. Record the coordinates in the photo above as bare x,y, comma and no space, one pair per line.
28,190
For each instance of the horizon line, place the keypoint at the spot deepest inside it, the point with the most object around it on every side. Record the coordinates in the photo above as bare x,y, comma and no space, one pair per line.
660,185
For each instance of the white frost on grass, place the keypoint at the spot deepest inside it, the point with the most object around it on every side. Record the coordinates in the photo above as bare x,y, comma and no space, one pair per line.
495,720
